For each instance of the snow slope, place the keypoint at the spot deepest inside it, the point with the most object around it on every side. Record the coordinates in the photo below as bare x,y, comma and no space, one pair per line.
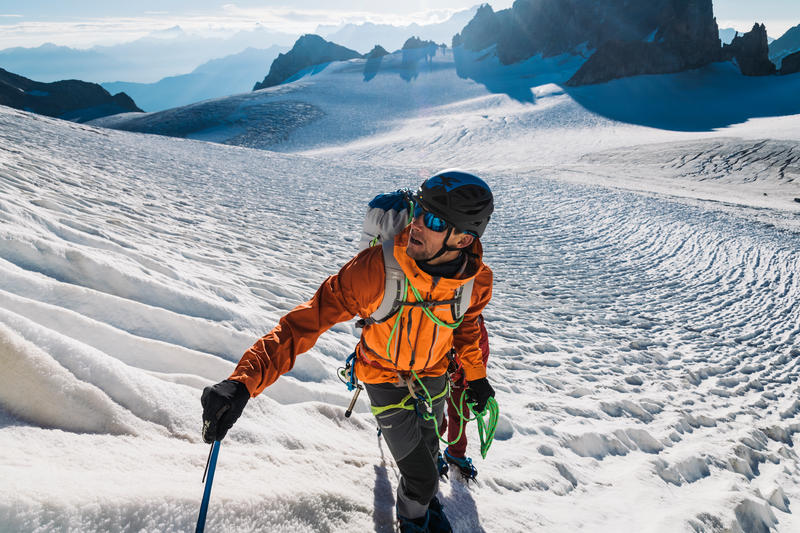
644,334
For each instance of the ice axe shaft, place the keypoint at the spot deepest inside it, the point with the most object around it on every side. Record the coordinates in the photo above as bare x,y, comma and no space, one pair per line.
208,476
353,402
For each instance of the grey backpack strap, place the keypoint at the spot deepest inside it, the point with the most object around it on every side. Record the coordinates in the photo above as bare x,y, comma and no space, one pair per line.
393,290
464,295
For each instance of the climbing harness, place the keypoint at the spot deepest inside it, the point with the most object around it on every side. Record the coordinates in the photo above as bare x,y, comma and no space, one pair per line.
422,404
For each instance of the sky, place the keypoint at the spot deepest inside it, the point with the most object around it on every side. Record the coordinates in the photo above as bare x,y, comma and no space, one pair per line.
83,24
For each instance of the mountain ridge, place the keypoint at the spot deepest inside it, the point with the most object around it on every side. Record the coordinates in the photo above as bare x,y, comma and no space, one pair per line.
309,50
74,100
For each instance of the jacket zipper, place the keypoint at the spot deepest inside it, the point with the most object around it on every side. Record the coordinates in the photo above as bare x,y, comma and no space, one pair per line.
433,343
408,339
397,343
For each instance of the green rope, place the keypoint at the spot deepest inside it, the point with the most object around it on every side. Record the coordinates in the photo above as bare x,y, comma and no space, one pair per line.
397,320
486,430
430,314
430,400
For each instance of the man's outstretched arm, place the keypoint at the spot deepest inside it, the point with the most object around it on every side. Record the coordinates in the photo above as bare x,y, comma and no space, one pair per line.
339,298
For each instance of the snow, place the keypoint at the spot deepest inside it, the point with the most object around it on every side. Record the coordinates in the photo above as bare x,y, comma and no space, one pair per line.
644,325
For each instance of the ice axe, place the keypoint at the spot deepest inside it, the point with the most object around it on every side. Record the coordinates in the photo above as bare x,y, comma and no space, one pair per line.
208,478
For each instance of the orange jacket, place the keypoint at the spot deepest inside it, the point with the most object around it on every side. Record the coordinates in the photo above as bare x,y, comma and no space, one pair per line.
417,343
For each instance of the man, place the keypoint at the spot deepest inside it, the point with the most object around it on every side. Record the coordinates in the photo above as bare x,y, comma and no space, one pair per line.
438,254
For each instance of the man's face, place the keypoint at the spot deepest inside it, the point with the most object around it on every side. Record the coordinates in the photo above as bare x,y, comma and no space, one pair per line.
423,243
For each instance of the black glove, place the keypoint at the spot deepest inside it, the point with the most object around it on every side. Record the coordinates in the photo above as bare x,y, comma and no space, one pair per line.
479,391
222,405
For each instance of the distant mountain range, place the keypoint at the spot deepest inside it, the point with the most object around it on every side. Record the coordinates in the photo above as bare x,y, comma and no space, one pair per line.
602,40
74,100
220,77
363,37
146,60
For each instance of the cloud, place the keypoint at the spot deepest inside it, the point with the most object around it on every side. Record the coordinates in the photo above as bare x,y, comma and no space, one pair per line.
230,19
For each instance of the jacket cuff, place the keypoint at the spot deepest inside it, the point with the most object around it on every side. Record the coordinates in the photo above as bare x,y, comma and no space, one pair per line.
243,379
472,373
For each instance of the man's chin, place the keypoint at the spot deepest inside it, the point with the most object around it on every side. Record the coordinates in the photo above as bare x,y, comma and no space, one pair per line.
414,252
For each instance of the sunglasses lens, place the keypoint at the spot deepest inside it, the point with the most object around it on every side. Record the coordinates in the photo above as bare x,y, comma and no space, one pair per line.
434,223
431,221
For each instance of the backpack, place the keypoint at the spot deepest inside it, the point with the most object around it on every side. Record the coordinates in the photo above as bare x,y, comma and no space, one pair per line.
387,215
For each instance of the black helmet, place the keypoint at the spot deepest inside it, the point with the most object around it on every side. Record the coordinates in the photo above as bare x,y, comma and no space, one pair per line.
460,198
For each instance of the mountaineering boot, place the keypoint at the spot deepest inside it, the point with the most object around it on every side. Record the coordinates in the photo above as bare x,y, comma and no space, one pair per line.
464,465
443,467
437,521
413,525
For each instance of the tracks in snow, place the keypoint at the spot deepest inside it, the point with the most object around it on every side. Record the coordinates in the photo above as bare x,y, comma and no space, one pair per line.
651,326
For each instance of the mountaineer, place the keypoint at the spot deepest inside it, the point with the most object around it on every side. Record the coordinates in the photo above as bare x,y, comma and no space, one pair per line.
419,295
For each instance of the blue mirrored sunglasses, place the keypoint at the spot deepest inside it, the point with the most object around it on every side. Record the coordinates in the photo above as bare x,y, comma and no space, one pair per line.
431,221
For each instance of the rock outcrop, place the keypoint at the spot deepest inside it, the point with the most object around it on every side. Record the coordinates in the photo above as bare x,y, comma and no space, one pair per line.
481,32
627,38
791,64
685,37
415,42
309,50
376,52
74,100
751,52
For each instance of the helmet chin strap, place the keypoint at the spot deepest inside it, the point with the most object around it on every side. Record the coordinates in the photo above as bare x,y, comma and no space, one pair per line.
444,249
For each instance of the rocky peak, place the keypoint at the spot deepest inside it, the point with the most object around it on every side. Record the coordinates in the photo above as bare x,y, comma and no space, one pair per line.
684,35
786,44
376,52
672,34
751,52
308,50
481,32
415,42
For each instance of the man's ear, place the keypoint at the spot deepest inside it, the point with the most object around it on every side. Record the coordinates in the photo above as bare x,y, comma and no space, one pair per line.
464,240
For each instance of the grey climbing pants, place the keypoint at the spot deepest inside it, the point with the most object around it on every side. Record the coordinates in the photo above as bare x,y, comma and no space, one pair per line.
412,441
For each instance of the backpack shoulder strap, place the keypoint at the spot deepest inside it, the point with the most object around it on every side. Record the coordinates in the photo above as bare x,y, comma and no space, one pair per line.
464,295
393,289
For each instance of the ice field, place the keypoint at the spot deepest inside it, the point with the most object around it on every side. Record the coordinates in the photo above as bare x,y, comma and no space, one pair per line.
644,329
